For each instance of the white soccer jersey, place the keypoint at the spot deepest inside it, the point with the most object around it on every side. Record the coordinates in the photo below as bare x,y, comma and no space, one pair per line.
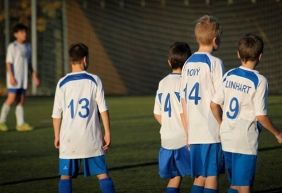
168,105
19,55
244,96
201,77
78,100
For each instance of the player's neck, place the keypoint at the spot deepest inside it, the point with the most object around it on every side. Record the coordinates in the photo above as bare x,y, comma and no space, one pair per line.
205,48
249,64
77,68
20,41
176,71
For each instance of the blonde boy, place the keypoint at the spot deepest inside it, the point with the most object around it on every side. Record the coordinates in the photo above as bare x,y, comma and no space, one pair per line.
201,76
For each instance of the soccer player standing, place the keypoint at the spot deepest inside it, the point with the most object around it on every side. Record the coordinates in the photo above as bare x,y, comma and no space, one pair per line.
244,98
201,76
78,136
174,162
18,62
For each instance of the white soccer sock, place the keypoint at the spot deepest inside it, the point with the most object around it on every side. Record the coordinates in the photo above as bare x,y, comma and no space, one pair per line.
4,113
19,115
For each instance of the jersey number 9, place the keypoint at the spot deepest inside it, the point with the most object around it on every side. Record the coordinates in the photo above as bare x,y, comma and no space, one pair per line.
233,108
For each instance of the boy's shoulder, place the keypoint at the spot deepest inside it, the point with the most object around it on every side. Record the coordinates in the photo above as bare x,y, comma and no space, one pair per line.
242,72
78,76
204,57
170,78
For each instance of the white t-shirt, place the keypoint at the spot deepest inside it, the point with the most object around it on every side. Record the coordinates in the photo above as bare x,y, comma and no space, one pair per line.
168,106
201,77
19,55
78,98
244,96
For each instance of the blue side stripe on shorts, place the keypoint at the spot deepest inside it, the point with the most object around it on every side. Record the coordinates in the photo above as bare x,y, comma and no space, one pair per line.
76,77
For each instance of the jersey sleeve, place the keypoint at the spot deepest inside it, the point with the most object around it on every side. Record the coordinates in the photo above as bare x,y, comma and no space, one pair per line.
58,103
9,56
183,83
261,98
100,97
29,54
158,106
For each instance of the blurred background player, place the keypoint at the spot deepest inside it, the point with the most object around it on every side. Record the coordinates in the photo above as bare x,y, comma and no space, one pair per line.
18,64
201,76
174,156
244,99
78,136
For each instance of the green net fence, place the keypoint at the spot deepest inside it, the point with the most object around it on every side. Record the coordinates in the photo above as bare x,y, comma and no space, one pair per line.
129,39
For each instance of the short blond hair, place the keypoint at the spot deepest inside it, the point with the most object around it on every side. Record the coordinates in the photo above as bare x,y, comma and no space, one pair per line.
206,29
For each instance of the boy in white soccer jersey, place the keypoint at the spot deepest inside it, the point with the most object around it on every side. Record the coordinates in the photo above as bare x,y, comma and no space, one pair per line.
201,76
78,136
174,159
18,63
244,99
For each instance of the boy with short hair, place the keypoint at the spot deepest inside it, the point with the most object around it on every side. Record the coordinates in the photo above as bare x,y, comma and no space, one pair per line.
78,136
174,153
18,63
244,98
201,76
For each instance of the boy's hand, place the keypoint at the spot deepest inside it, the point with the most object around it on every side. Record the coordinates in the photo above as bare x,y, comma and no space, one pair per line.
279,137
13,81
57,143
107,142
35,80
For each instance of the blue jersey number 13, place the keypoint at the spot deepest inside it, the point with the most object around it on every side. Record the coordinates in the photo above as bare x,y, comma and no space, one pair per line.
84,108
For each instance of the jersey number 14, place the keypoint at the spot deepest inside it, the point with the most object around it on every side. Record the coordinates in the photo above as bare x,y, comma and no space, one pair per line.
194,94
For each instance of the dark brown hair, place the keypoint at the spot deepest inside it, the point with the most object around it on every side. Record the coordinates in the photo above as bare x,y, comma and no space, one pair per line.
178,53
77,52
250,47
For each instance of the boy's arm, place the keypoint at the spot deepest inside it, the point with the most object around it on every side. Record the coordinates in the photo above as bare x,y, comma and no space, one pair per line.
12,80
107,134
57,125
184,115
216,111
184,118
34,76
158,118
267,124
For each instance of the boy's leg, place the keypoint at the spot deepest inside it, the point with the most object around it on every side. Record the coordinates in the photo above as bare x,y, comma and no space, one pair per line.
198,185
211,185
106,183
233,189
6,109
21,125
65,184
173,185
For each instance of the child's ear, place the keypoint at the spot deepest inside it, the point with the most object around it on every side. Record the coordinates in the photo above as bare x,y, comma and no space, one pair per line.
216,42
168,61
238,55
260,57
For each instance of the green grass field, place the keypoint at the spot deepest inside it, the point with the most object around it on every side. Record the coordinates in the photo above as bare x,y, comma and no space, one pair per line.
29,162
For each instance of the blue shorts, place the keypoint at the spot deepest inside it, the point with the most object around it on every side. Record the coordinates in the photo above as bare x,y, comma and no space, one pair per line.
17,91
240,168
206,159
174,162
92,166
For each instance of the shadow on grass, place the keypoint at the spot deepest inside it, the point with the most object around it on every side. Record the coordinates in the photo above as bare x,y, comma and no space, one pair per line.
57,176
270,190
